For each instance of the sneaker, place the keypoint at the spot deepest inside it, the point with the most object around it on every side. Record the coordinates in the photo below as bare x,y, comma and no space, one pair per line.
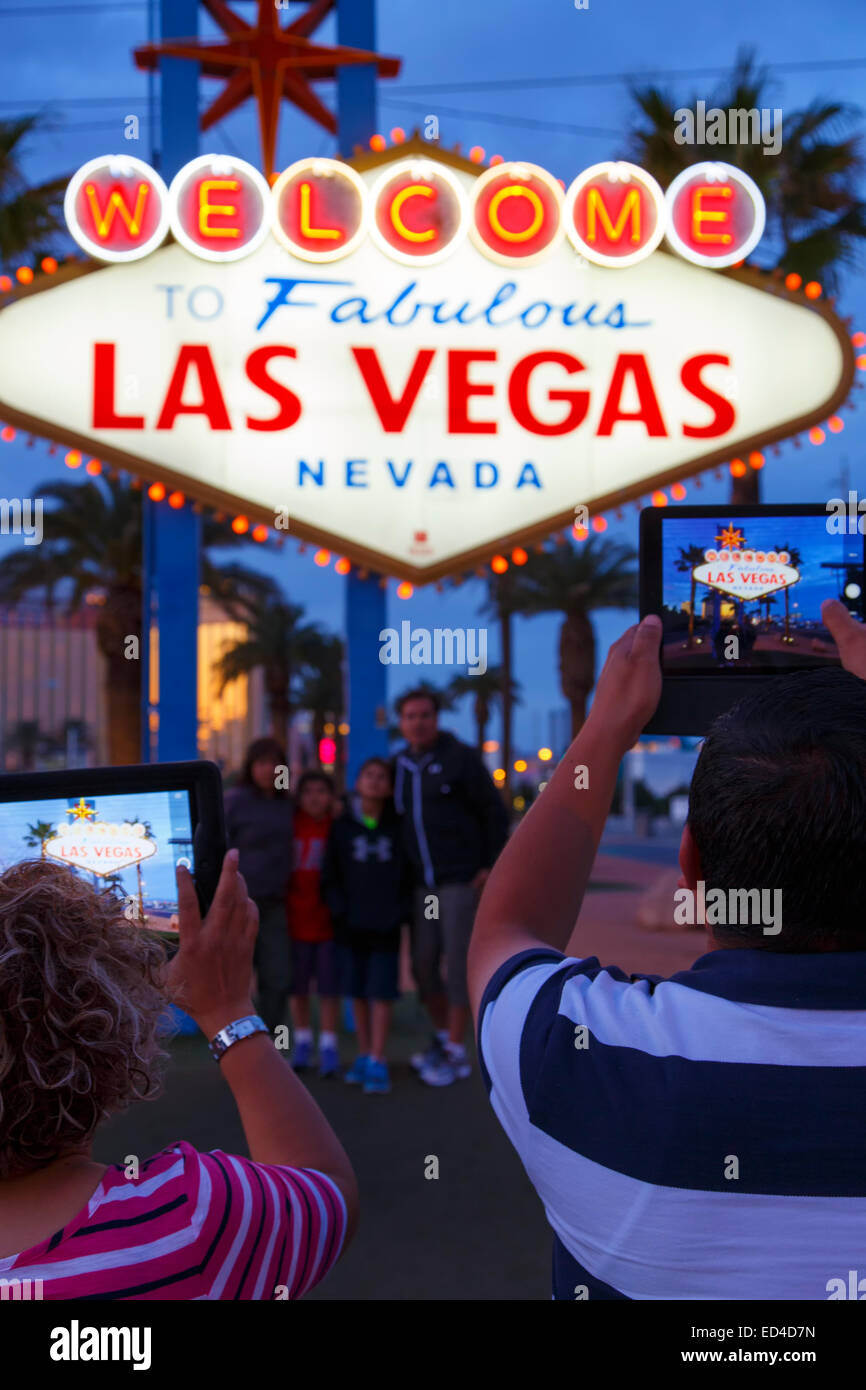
461,1064
357,1073
439,1071
377,1081
329,1062
434,1054
301,1056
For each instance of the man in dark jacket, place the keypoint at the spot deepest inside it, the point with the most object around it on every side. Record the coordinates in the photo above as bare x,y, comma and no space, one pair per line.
455,824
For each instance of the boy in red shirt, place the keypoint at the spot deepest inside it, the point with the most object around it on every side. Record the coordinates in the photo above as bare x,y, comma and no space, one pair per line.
310,929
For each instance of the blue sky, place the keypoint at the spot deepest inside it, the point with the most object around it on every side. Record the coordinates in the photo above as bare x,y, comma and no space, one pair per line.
73,59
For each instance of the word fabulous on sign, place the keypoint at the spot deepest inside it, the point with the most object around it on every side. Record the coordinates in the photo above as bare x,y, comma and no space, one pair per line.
221,209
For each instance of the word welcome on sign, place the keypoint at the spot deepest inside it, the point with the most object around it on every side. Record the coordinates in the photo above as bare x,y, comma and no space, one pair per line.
418,211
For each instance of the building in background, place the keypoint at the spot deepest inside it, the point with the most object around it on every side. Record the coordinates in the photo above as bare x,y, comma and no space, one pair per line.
52,692
559,731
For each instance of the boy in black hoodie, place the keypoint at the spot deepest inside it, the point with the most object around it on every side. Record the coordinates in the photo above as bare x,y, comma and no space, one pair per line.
366,885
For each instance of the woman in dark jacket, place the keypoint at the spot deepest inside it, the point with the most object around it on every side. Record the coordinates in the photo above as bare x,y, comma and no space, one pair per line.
259,825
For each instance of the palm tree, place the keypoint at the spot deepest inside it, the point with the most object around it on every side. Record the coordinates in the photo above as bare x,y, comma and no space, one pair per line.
321,690
27,738
30,218
816,221
277,641
92,545
505,594
768,602
688,558
575,581
795,559
37,835
486,688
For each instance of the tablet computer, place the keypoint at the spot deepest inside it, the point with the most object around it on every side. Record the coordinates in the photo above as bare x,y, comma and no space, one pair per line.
122,827
739,591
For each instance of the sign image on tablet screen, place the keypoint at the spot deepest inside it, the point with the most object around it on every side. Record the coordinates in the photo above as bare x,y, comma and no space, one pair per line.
132,841
739,592
126,828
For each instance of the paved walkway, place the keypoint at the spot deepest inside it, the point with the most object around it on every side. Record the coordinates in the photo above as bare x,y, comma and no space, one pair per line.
476,1232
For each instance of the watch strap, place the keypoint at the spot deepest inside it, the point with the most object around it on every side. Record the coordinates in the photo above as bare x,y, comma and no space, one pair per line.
233,1032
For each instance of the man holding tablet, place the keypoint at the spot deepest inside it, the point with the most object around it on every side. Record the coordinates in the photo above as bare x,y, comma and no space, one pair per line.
698,1137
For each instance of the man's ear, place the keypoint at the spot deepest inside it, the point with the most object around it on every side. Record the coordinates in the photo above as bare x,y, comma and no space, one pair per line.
690,863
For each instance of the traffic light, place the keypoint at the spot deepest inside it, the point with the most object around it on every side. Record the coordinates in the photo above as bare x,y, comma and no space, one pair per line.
327,752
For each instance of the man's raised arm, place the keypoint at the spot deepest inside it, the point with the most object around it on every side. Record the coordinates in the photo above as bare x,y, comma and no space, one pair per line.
535,890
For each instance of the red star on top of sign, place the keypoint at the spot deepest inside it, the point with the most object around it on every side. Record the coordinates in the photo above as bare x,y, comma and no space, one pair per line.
730,539
271,64
82,811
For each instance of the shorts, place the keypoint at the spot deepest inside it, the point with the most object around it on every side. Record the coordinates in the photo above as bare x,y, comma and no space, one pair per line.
369,970
315,960
446,935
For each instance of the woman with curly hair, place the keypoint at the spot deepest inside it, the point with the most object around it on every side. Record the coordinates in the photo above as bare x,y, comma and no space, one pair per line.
82,994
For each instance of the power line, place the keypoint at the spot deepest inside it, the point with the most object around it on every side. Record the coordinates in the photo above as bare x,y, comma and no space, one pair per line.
28,12
496,84
56,129
71,101
596,79
496,118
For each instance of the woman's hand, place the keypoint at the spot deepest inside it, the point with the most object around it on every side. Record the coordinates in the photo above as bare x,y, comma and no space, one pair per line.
210,976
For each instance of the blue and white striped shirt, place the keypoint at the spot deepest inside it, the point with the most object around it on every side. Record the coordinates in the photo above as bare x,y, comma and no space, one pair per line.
701,1137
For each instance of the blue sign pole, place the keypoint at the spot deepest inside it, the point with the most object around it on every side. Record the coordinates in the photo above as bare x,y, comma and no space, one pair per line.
172,539
365,599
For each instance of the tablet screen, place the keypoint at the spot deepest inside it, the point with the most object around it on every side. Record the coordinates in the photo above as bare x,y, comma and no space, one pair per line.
744,593
131,841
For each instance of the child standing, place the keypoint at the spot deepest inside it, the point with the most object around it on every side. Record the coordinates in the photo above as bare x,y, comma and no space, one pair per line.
365,884
310,929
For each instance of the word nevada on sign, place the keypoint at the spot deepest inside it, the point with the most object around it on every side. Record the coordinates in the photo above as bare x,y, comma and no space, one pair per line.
417,412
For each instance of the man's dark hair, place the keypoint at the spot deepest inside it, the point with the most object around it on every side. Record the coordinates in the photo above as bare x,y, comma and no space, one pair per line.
778,801
266,747
422,692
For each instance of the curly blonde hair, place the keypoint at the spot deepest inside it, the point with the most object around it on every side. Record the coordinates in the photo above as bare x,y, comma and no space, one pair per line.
80,1007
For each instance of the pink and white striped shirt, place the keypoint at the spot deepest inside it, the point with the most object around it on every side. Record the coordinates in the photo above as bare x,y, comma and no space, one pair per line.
193,1226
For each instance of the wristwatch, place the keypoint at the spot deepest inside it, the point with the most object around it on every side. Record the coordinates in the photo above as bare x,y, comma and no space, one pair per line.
233,1032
